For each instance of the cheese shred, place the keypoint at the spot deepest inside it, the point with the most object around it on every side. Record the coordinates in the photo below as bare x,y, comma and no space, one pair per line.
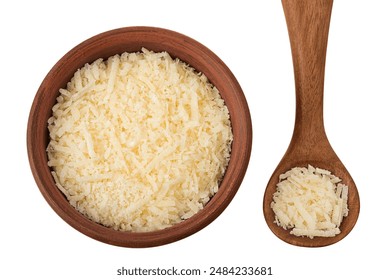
310,201
139,142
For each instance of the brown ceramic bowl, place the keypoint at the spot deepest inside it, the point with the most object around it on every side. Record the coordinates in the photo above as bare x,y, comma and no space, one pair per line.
131,39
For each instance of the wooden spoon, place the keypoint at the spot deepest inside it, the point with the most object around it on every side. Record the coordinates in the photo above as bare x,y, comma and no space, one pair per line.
308,26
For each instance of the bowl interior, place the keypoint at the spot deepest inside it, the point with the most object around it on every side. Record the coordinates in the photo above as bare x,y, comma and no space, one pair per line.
132,39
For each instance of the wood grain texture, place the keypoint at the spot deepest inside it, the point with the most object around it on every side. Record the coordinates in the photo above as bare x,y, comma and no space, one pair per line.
308,26
131,39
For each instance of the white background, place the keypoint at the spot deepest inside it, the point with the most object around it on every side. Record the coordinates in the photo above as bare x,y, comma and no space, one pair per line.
251,38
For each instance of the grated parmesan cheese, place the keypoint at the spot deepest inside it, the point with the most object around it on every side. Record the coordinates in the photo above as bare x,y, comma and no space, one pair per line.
139,142
310,201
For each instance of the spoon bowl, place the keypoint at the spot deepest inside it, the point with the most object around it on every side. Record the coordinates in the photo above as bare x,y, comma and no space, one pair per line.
308,27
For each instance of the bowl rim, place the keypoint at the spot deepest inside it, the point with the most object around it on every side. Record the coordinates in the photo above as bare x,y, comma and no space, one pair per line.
183,46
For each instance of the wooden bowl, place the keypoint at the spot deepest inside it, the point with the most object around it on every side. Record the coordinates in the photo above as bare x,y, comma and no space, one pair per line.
131,39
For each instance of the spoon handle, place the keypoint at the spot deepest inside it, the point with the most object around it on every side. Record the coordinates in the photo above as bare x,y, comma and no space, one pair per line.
308,26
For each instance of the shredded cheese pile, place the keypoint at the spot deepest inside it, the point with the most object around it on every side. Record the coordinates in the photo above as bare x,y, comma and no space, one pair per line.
139,142
310,201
